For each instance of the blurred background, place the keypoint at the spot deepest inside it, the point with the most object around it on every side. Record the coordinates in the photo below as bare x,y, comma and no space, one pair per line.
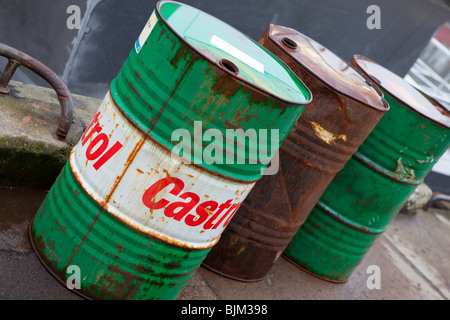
89,58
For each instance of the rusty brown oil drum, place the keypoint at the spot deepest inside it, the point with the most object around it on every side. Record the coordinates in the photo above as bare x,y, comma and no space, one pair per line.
345,109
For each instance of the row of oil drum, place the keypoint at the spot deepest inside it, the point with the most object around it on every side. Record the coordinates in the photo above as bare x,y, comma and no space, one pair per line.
160,175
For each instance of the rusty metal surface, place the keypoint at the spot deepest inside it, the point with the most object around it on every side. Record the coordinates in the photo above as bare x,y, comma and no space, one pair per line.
367,194
17,58
117,261
324,138
155,179
399,89
222,50
122,186
181,53
324,65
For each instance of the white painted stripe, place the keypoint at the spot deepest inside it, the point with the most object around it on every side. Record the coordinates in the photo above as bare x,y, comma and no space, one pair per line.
146,32
126,180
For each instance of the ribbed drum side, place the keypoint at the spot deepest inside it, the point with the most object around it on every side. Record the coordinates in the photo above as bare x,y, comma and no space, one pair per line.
115,261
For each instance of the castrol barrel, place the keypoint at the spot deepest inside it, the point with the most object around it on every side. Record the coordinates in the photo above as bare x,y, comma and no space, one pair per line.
344,111
189,125
368,193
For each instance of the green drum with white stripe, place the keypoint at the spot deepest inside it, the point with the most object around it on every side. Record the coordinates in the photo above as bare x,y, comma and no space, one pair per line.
160,171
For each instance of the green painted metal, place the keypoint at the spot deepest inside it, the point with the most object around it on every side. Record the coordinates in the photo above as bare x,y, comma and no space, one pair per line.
369,192
116,261
176,77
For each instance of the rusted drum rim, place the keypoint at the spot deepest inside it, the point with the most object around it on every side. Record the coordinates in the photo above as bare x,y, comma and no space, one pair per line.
47,267
392,84
304,269
209,60
230,276
226,65
289,43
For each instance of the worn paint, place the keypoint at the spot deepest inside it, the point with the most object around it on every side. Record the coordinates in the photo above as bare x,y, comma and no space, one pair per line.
104,248
325,135
348,107
135,206
375,184
205,88
137,223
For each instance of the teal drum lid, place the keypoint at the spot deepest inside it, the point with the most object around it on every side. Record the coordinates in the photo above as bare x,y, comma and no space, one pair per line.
222,44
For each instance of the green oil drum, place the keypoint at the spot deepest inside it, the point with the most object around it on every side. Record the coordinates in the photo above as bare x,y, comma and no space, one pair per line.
368,193
158,175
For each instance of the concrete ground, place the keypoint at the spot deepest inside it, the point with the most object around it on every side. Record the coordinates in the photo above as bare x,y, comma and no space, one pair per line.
413,256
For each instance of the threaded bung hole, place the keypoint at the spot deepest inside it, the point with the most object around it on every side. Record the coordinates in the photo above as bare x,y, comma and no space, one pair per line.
230,66
289,43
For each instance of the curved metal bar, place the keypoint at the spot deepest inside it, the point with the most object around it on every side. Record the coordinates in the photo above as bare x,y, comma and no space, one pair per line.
436,197
17,58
